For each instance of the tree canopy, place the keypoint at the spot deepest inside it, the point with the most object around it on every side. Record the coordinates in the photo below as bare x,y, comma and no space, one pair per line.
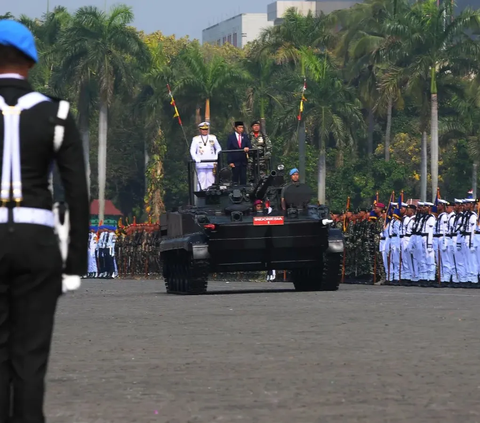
387,83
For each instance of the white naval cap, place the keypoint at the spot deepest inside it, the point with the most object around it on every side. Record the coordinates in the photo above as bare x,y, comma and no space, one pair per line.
457,201
420,204
404,205
394,204
469,200
440,201
428,204
204,125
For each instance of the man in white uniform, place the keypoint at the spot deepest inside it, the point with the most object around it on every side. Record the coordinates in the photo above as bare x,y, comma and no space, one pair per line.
205,147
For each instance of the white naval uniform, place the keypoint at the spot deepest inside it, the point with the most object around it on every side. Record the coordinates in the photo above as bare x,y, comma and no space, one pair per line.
470,252
477,245
441,247
428,251
383,247
112,239
451,246
92,248
460,246
415,246
393,245
205,148
406,230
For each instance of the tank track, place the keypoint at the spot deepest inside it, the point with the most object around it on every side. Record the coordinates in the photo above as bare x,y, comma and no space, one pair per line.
183,275
332,271
326,277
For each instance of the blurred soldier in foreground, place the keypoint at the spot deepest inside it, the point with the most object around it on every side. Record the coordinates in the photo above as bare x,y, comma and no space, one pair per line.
35,131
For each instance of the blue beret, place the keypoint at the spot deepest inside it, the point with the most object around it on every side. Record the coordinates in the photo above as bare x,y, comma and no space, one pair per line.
15,34
294,170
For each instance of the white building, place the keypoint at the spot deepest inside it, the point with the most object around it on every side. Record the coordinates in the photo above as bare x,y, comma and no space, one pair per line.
275,11
238,31
242,29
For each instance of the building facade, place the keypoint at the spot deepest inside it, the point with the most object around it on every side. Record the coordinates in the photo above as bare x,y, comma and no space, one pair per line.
275,11
238,30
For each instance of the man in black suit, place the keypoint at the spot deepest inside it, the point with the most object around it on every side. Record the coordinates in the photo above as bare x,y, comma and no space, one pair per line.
35,131
238,161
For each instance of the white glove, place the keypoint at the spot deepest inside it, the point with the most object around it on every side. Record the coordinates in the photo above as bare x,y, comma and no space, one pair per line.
70,283
444,247
198,161
429,250
472,249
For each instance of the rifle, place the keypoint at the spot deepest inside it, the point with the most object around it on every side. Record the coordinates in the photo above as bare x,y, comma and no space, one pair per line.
344,230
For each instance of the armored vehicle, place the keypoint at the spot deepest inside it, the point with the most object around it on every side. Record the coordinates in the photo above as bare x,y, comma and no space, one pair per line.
221,230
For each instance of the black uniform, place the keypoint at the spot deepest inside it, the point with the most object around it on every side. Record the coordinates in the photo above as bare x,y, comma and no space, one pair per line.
30,260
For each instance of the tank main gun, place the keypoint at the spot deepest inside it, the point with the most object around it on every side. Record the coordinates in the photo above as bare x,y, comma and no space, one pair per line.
262,186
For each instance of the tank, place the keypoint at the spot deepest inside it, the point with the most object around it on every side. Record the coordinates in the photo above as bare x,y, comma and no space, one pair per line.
221,231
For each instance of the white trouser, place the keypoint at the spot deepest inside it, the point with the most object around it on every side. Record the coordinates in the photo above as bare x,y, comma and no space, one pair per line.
394,273
460,258
92,263
470,261
406,259
416,248
205,177
429,267
447,267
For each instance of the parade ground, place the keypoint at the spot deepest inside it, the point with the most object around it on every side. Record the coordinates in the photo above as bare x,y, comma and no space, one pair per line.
124,351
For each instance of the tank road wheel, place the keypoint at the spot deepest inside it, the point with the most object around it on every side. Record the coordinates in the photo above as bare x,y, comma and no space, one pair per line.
332,271
307,279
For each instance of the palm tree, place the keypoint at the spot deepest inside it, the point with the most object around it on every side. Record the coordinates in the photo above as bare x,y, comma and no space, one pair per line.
261,92
363,49
7,15
207,78
332,105
102,48
435,47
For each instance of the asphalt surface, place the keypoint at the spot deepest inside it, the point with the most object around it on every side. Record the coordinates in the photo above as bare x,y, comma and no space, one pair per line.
124,351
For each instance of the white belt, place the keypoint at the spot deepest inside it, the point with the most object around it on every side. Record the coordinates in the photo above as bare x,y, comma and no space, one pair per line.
29,215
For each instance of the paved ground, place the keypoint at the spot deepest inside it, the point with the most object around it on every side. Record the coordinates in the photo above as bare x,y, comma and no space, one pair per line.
124,351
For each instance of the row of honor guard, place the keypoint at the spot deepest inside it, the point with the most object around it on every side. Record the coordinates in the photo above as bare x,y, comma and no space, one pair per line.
101,254
205,149
434,245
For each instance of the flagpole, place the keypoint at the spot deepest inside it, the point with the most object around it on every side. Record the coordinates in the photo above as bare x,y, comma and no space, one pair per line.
301,137
177,115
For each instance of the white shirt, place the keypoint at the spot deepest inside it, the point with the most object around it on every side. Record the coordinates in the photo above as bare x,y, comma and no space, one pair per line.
205,148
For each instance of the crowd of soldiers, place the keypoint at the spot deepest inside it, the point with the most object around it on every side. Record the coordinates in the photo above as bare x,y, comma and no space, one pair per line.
423,244
138,251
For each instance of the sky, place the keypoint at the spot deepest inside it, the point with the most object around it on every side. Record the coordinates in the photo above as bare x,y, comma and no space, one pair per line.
179,17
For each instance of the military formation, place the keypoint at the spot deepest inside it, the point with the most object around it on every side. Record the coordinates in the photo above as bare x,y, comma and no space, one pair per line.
424,244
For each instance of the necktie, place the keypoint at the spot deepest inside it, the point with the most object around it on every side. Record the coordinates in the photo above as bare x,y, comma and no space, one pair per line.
239,141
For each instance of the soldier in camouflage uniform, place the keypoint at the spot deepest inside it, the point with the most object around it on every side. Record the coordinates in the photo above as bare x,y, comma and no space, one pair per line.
375,232
262,143
350,240
363,259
